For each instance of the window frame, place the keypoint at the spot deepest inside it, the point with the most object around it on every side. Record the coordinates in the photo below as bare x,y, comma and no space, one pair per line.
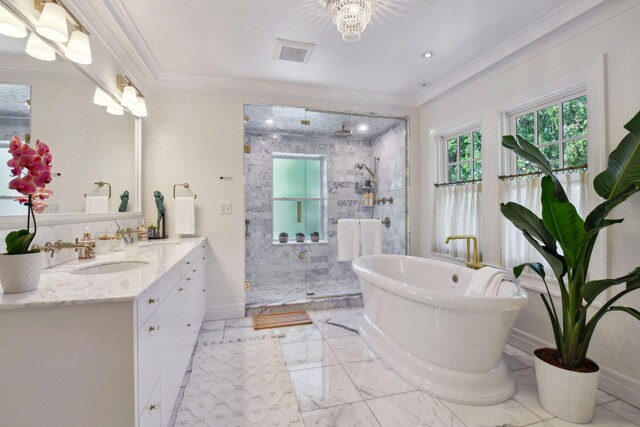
511,165
443,155
323,193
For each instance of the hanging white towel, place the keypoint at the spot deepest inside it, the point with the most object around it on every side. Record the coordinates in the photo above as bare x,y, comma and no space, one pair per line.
348,239
185,215
371,236
491,282
97,204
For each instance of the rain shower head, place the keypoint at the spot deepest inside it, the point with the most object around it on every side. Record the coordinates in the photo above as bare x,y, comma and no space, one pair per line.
343,132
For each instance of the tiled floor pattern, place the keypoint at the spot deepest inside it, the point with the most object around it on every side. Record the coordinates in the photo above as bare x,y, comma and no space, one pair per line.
298,292
339,382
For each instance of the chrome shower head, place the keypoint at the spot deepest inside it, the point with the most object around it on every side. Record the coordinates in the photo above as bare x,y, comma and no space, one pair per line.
362,165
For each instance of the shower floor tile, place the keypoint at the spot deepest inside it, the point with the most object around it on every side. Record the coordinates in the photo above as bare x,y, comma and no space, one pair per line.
301,292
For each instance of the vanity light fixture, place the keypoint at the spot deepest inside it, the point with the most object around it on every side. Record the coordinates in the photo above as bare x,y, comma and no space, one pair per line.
132,98
11,26
115,109
101,98
53,22
129,97
39,49
53,25
140,110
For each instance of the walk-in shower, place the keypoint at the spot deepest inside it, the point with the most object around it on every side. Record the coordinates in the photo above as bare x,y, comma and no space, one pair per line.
301,177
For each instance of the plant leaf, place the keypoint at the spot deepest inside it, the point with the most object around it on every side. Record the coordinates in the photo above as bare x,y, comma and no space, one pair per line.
555,260
527,151
18,241
593,288
632,311
624,164
600,212
524,219
535,266
563,222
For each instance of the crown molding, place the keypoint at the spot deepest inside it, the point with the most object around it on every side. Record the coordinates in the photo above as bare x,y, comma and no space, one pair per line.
549,23
168,82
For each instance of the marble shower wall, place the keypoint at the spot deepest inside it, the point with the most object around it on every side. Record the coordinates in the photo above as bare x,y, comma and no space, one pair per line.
270,264
390,148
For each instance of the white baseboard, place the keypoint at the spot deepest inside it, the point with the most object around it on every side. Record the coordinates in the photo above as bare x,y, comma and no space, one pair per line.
613,382
224,311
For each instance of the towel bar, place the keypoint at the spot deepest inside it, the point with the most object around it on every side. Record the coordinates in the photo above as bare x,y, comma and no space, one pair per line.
185,185
386,221
101,184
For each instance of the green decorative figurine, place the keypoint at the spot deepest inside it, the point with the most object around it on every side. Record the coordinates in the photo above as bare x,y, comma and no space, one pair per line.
160,205
124,201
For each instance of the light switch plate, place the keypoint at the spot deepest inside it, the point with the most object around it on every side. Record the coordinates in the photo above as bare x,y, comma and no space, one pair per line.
225,209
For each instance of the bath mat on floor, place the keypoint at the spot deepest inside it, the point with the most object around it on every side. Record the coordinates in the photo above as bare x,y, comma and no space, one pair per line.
239,384
280,320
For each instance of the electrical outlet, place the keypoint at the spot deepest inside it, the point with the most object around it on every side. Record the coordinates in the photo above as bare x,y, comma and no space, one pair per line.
225,209
247,285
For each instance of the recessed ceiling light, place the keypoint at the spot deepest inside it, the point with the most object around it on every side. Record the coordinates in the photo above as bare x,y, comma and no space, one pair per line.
269,121
425,84
427,54
363,128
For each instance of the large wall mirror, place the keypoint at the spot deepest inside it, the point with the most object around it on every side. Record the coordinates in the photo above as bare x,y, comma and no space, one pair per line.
94,153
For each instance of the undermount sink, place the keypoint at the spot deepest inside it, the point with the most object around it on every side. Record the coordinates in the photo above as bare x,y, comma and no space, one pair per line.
160,243
107,267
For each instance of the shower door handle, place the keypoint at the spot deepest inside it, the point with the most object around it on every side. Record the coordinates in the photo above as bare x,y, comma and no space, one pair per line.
299,205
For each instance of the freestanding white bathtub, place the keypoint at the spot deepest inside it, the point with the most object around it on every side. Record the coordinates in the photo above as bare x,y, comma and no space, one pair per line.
418,320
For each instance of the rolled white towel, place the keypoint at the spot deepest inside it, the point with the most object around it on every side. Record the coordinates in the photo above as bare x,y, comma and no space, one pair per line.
487,282
348,239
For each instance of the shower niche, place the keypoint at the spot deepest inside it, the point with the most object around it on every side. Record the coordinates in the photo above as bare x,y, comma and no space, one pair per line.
304,170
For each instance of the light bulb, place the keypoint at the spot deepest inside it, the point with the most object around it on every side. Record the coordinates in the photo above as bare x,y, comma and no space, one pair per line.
115,109
79,50
39,49
101,98
11,26
129,97
140,110
53,23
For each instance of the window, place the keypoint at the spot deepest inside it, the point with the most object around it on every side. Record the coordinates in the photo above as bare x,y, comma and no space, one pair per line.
299,195
463,157
559,129
458,197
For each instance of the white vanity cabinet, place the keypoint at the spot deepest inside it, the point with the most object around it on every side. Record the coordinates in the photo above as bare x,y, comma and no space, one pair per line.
116,362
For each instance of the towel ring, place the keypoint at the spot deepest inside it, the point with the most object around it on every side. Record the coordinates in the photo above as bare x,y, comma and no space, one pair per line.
185,185
101,184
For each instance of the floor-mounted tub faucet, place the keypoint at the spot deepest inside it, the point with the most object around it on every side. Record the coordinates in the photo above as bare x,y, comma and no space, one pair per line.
475,264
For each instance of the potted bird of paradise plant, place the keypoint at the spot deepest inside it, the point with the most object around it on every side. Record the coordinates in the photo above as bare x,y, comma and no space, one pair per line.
20,266
567,379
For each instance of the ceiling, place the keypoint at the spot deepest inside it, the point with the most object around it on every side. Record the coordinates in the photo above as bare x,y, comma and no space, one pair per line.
279,120
234,39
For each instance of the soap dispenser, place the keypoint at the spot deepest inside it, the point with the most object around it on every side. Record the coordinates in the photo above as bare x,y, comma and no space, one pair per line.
87,253
143,233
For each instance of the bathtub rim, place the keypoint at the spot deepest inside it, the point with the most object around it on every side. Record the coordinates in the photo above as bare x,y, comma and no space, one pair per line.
515,302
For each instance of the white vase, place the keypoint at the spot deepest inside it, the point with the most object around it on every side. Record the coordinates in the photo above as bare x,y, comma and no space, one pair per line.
568,395
20,273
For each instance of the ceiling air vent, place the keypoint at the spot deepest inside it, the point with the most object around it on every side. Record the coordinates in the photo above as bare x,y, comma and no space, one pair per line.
287,50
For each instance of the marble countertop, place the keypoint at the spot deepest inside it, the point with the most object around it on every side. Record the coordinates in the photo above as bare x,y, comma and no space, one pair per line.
59,287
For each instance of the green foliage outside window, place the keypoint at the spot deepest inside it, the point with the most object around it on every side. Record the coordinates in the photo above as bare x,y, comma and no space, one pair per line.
463,157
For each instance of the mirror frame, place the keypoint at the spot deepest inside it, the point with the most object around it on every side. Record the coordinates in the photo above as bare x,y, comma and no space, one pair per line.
13,221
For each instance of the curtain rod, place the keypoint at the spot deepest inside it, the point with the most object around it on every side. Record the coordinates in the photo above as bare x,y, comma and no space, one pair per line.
571,169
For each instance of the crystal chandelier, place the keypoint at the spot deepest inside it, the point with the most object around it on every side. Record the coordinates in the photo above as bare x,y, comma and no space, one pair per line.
351,17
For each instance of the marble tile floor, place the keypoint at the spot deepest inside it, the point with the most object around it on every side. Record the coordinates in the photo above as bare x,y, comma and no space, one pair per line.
299,292
339,381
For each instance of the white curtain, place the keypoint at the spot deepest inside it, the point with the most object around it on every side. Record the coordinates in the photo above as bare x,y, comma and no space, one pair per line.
515,248
457,210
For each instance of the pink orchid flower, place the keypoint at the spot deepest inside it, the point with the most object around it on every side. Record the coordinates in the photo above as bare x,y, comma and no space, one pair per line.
14,144
42,193
38,206
16,169
43,149
23,185
41,179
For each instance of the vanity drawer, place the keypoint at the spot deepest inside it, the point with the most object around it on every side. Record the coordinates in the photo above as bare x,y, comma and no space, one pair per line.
151,415
149,300
192,258
149,352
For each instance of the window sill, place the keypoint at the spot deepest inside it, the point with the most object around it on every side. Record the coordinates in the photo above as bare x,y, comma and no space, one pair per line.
277,243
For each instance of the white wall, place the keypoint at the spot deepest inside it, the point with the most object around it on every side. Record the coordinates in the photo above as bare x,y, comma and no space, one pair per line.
197,137
612,32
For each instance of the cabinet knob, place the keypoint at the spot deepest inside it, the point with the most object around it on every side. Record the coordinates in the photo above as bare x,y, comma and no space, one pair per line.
153,407
204,290
152,300
195,271
188,325
188,262
204,257
188,279
180,289
154,328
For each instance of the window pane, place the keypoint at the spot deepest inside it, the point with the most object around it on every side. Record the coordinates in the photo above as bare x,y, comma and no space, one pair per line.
453,173
452,150
477,144
525,166
285,218
465,147
574,117
524,127
548,124
289,178
552,153
477,170
312,216
313,178
465,171
575,153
